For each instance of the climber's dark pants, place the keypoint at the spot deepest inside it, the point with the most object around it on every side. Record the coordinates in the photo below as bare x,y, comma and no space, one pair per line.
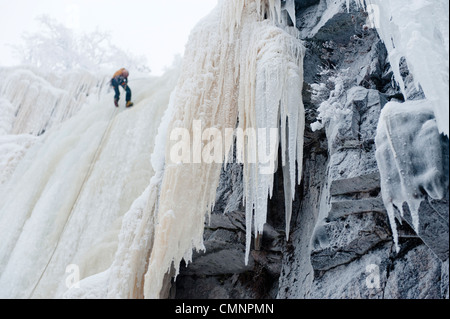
125,86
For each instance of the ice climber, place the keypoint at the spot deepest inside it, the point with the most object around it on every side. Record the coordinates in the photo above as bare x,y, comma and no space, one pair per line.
121,78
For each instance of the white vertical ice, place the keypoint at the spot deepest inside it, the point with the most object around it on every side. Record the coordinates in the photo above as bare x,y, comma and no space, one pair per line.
65,200
86,192
238,68
277,105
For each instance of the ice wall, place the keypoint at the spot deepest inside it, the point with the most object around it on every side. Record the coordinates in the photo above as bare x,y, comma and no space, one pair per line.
240,73
86,194
64,203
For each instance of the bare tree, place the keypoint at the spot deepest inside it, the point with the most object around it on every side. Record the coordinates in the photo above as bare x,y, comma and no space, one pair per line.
57,48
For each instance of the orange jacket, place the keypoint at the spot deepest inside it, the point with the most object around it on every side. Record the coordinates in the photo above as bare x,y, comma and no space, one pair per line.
118,73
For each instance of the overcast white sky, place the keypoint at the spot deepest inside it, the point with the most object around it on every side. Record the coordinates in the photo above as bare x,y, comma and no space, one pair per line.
158,29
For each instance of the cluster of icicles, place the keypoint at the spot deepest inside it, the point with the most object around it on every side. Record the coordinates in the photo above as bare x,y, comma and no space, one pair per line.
419,32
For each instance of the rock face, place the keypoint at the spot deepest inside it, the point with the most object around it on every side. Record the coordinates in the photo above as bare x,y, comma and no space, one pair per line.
340,244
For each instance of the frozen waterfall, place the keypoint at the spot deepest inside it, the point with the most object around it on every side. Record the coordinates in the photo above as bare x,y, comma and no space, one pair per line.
99,202
64,202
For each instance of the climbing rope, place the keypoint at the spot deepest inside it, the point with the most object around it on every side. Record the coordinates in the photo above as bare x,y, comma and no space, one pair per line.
86,177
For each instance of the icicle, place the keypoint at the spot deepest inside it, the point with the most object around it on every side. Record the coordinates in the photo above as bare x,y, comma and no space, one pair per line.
290,8
275,103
